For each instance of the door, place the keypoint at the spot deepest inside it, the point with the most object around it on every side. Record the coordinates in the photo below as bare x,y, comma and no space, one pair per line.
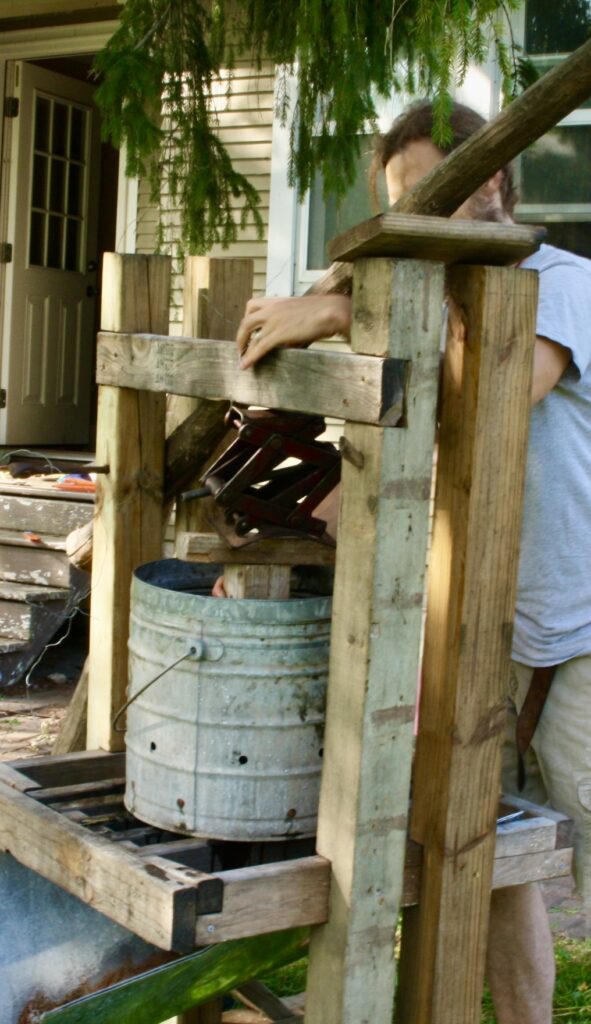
48,323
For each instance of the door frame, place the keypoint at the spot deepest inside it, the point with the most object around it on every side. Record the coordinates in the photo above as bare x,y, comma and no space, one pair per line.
42,43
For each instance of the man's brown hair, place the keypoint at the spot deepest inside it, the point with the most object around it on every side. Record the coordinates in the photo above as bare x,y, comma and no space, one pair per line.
416,123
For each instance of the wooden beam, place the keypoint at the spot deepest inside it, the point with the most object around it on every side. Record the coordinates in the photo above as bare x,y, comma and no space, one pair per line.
257,582
456,178
208,547
214,298
128,523
330,383
472,581
72,733
268,898
437,238
382,541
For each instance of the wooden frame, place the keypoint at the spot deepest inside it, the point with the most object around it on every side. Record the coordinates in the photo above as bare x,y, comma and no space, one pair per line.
388,388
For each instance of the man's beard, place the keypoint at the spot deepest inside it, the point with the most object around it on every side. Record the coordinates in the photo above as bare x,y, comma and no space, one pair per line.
484,208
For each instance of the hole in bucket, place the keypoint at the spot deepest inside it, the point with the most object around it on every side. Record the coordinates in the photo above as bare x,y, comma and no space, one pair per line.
321,752
152,745
242,759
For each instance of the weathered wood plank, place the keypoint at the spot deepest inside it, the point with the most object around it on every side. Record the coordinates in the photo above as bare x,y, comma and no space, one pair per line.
437,238
257,582
330,383
67,769
472,580
214,298
153,898
43,516
565,828
378,591
531,867
128,524
268,898
208,547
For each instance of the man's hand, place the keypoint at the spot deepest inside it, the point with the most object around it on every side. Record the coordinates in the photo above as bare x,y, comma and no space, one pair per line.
290,322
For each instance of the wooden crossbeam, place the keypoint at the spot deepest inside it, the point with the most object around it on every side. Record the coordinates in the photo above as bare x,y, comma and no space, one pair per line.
208,547
342,384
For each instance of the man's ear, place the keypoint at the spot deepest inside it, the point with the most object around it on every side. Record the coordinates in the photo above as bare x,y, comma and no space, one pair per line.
493,184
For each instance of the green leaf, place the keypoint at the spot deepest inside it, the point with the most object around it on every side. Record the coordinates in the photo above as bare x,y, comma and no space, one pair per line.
161,993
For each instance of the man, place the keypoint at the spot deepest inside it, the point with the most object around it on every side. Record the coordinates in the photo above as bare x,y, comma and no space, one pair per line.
553,612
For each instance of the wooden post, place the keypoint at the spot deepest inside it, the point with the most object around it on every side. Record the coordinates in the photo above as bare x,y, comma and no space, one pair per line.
128,523
375,645
472,580
215,294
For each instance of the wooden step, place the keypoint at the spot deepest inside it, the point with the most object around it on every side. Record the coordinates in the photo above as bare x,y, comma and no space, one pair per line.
21,602
43,515
8,645
23,561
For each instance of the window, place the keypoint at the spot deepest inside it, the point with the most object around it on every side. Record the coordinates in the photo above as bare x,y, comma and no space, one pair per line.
553,174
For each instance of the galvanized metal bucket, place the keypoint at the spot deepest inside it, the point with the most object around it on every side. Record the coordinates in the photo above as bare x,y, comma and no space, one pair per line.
227,744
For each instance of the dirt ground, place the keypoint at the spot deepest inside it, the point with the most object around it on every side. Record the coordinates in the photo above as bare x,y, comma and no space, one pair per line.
30,719
30,716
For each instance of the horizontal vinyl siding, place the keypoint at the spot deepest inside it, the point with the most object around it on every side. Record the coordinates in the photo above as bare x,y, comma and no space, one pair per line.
245,126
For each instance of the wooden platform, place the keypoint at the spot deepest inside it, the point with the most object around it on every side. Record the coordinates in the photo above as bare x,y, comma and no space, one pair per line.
64,818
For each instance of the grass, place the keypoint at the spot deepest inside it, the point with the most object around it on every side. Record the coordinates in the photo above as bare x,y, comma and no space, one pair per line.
572,999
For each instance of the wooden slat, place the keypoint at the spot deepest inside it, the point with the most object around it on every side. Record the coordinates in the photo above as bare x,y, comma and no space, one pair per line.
81,791
437,238
128,524
268,898
375,652
42,516
565,827
330,383
208,547
472,581
156,900
70,769
257,996
531,867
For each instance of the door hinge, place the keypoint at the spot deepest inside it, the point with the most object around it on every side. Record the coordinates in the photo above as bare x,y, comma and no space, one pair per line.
11,105
5,252
2,398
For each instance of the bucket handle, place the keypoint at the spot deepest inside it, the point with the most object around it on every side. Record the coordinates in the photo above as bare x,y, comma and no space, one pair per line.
195,650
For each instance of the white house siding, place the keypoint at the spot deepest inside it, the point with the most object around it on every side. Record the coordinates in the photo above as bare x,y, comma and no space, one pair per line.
246,127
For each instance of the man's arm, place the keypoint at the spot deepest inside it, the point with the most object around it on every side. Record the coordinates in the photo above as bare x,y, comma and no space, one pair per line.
550,362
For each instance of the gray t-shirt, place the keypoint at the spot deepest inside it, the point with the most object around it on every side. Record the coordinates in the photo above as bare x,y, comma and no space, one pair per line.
553,613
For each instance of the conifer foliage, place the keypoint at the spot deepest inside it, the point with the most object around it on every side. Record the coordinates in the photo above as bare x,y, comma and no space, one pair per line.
158,69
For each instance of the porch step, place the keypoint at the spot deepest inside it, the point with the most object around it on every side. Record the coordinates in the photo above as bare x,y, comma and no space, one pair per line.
41,564
8,645
24,606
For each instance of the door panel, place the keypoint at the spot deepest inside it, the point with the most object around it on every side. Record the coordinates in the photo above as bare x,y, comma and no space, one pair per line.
48,336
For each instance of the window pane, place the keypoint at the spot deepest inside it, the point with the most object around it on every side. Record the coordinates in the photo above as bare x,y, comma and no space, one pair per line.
75,190
56,192
544,64
327,220
42,113
573,237
39,191
556,168
60,129
37,240
54,242
558,26
77,132
72,244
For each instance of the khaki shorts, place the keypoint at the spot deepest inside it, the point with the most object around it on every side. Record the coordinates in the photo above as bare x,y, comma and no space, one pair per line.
558,761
